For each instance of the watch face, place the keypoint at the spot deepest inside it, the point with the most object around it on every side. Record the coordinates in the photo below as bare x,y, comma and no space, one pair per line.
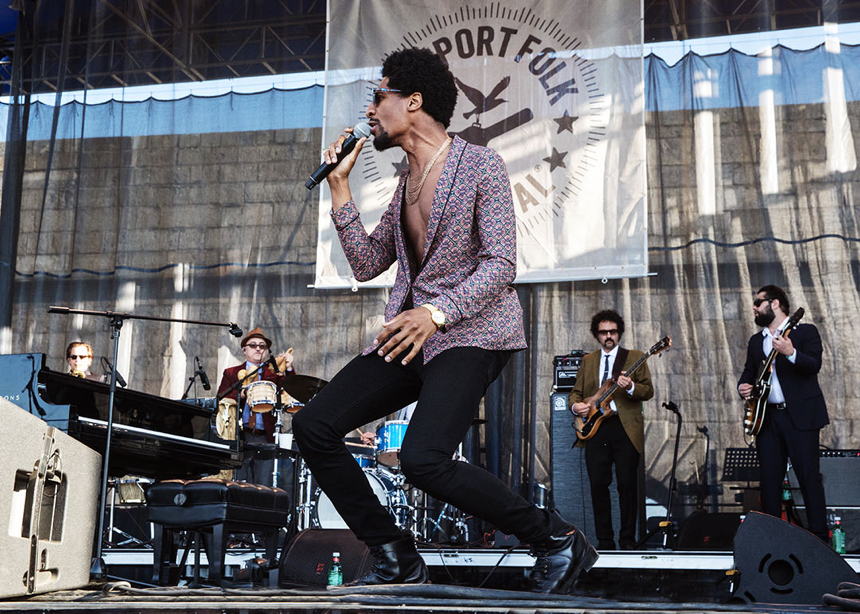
438,318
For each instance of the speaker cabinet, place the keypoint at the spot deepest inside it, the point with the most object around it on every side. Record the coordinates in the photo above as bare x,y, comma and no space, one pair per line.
571,490
781,563
306,559
49,489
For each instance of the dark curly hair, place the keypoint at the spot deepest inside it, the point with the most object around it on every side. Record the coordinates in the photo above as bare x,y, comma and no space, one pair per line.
607,315
421,70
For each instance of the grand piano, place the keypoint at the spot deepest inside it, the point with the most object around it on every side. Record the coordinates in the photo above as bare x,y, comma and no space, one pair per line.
152,436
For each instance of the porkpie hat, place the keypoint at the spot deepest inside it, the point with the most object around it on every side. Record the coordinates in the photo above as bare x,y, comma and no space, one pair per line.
256,333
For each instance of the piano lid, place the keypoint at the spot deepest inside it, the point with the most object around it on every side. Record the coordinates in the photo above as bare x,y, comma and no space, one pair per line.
152,436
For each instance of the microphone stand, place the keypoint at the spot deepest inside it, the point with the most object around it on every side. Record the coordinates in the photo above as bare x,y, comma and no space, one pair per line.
667,526
98,570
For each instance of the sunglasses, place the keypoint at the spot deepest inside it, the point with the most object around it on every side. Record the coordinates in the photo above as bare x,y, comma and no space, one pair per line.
614,331
759,301
377,93
74,357
256,346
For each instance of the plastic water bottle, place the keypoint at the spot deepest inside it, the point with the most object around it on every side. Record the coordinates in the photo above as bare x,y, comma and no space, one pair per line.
838,536
335,572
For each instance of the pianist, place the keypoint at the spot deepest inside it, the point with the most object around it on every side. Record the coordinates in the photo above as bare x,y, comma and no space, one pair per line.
79,355
257,427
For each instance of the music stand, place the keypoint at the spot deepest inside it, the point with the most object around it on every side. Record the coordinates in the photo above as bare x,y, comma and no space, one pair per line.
116,320
741,465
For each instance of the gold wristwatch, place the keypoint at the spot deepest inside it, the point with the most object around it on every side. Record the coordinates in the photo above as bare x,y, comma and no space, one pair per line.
436,315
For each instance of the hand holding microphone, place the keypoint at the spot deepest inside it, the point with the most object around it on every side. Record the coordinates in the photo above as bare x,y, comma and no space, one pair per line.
359,131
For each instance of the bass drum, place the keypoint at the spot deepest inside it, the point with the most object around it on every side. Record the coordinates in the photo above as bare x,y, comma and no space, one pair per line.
325,516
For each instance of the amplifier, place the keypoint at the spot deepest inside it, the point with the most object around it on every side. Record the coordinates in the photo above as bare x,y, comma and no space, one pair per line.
565,369
839,473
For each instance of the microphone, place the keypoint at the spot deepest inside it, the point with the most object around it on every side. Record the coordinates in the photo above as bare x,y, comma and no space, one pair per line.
702,429
204,379
671,406
359,131
274,364
108,368
235,330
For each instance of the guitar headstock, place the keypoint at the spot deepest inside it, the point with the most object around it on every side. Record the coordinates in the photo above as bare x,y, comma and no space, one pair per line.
795,318
664,344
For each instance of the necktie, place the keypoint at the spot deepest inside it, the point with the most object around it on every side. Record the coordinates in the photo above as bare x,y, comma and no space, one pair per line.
605,370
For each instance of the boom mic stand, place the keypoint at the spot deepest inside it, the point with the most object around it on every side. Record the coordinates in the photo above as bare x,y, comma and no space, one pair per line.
98,570
667,526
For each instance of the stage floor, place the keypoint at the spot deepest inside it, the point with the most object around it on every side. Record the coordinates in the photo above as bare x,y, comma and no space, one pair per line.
643,581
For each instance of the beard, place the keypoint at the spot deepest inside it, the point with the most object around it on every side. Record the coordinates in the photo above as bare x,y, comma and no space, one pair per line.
764,319
382,141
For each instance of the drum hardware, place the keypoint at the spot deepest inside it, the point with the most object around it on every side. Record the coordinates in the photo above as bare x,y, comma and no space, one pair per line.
385,485
128,491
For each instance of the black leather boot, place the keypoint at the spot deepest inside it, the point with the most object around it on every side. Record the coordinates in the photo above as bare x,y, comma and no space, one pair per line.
396,562
560,560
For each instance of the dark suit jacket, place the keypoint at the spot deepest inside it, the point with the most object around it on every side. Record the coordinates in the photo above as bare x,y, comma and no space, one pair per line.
629,406
804,400
231,376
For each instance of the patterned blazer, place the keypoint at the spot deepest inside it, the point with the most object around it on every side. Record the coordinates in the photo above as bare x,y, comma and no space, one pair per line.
470,255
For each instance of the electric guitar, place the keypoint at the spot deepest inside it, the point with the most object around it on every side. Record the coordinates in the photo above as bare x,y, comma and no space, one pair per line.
600,408
756,404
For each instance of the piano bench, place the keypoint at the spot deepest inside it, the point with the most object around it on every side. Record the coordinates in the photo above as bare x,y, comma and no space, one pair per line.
211,509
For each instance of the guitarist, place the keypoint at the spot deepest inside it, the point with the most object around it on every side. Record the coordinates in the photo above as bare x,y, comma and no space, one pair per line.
620,438
795,412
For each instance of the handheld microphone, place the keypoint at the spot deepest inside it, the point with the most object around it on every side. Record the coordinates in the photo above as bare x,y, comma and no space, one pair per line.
204,379
108,368
359,131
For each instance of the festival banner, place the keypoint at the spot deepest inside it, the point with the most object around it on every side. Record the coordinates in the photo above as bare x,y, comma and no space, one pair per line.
555,86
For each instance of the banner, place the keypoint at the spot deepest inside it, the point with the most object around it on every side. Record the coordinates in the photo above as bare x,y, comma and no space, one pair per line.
555,86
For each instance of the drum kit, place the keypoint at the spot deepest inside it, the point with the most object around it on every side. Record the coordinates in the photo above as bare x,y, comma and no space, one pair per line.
410,508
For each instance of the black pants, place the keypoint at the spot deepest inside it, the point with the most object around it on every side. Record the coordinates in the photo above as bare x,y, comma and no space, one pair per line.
777,442
610,444
448,390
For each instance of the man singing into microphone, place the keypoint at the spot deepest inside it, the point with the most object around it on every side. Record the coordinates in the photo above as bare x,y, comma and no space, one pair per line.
256,427
451,324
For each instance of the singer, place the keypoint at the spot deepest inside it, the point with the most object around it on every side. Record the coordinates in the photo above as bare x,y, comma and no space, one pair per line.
257,427
451,323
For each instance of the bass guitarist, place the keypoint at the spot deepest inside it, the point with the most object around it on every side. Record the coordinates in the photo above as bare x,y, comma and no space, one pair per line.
619,438
796,410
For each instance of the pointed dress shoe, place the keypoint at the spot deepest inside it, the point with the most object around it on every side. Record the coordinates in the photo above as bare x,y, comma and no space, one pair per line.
396,562
560,560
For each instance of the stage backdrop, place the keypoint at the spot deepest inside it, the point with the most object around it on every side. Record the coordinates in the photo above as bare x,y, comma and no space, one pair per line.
539,81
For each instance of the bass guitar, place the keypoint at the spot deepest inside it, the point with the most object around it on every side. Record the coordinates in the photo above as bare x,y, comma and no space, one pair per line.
756,404
600,408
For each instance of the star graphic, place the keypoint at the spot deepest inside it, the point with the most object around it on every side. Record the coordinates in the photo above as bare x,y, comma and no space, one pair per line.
565,122
556,160
401,166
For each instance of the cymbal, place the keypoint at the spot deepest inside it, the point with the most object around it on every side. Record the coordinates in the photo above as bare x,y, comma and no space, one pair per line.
303,387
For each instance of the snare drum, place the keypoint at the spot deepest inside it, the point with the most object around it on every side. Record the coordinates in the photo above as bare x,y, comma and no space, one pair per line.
261,396
324,516
389,440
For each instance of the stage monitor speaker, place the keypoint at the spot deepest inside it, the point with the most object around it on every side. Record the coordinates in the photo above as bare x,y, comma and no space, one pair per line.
571,491
306,559
781,563
49,490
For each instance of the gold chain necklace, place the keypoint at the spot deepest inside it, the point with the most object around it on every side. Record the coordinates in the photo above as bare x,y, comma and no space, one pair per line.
413,191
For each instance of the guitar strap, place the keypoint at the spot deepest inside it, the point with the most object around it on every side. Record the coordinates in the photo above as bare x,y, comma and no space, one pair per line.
620,359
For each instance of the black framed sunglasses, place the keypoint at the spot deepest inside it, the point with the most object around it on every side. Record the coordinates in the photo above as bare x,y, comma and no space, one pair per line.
757,302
